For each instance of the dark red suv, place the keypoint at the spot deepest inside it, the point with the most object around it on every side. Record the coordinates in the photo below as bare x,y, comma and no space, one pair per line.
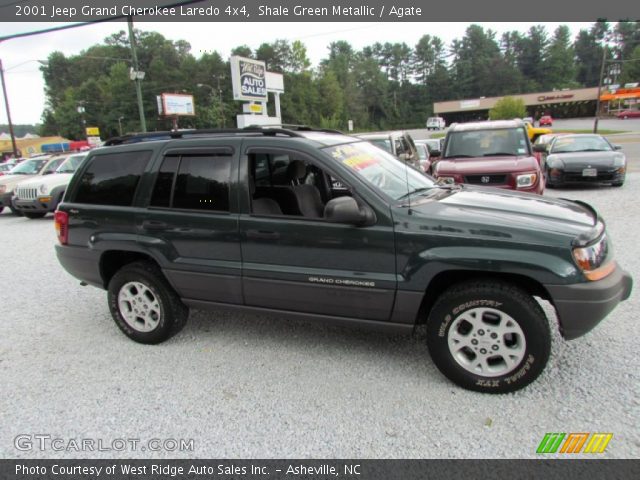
494,154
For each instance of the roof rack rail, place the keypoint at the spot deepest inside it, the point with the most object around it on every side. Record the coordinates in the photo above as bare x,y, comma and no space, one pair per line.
290,131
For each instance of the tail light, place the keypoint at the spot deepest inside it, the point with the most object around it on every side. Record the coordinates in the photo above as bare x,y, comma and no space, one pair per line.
61,224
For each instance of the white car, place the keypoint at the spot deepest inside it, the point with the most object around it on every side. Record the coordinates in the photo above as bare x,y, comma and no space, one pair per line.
34,167
435,123
36,197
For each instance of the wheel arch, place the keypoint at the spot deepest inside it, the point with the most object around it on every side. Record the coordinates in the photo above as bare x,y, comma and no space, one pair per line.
113,260
446,279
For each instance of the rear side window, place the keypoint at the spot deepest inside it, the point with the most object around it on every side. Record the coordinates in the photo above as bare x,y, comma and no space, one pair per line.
112,179
193,182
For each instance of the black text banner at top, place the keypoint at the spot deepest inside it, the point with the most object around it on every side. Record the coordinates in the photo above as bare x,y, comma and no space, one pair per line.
315,10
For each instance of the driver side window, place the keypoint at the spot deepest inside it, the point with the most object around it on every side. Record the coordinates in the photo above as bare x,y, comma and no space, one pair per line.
290,185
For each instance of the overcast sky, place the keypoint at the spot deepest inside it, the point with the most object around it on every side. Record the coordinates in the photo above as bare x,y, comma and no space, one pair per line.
26,88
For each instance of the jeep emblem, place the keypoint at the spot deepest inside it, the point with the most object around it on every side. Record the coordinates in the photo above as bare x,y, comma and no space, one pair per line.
485,179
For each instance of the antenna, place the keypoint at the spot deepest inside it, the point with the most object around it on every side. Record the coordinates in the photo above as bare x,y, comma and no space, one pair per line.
406,177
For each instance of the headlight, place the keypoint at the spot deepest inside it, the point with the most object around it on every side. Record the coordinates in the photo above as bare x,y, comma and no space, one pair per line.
526,180
43,189
591,259
554,162
619,161
3,189
446,180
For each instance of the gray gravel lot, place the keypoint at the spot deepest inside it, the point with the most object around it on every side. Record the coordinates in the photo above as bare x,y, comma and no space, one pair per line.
255,386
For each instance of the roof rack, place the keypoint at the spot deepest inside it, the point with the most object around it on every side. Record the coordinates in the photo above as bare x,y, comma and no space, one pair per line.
290,131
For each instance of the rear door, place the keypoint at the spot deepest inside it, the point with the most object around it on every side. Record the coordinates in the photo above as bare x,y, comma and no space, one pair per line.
191,222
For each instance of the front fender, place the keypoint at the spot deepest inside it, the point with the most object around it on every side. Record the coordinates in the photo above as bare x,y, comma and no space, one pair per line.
548,267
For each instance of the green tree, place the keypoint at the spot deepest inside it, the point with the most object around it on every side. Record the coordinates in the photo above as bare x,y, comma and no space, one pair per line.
508,108
631,72
559,70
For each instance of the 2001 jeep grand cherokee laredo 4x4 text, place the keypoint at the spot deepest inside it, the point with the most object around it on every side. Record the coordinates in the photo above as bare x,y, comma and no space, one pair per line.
317,224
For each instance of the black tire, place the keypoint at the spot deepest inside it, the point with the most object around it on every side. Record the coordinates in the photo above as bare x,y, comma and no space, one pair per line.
173,313
34,215
1,209
509,301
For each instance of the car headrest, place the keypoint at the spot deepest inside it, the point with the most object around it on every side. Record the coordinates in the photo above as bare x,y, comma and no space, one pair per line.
296,170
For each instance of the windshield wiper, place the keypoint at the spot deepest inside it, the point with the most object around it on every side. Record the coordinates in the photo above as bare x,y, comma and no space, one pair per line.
500,154
415,191
459,156
592,150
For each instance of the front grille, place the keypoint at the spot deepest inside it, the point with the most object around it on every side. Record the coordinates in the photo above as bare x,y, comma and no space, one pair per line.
486,179
24,193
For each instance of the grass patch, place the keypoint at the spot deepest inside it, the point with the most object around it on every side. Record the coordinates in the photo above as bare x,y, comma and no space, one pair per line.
437,135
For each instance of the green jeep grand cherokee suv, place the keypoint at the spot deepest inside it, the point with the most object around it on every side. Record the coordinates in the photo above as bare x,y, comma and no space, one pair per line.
317,224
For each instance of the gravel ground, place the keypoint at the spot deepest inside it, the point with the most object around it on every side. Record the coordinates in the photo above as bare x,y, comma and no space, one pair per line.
258,387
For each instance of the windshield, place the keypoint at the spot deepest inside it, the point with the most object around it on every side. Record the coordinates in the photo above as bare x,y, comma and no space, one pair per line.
380,169
71,164
487,143
383,143
29,167
580,144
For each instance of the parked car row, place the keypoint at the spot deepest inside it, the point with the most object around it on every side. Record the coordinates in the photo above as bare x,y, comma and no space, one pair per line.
36,186
500,154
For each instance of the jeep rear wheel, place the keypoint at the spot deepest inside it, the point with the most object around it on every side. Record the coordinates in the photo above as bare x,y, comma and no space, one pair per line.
488,336
143,304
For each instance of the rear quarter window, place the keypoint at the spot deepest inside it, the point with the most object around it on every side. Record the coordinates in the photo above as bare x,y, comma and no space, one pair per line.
112,178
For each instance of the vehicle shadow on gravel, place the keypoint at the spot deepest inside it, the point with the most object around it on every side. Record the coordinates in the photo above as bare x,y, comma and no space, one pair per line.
268,332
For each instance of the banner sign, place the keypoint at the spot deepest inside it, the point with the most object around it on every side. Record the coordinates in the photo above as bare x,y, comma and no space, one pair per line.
248,78
177,104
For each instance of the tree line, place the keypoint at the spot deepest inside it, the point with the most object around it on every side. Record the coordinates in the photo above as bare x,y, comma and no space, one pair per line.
382,86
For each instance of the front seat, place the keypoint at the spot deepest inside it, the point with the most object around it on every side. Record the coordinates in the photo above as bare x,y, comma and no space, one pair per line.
262,206
307,196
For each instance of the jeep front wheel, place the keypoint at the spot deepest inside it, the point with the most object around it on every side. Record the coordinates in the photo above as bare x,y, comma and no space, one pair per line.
488,336
143,304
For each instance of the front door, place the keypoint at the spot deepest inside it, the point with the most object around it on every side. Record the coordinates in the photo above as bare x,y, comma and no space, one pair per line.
300,262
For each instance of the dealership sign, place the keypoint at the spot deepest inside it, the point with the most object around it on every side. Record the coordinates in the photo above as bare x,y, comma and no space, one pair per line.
249,79
546,98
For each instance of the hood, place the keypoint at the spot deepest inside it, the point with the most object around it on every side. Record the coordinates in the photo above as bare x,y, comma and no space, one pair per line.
51,181
10,181
579,160
486,165
497,211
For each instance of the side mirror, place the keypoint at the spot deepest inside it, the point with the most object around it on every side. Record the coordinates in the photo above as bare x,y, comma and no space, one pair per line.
617,147
540,147
346,210
435,153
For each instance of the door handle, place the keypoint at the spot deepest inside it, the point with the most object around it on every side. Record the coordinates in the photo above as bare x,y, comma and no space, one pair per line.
154,225
262,235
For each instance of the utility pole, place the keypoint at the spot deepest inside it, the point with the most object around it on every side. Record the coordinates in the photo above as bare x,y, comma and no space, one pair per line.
137,79
604,61
6,104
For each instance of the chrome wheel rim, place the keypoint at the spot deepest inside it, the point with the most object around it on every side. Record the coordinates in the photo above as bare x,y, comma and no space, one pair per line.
139,306
486,342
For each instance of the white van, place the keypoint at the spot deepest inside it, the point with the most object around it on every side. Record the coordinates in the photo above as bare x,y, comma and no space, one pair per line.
435,123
